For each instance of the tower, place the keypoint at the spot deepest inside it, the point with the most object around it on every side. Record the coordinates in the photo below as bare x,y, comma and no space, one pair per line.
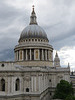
56,61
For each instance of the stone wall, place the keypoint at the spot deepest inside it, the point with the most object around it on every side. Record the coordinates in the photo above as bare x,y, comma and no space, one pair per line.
35,63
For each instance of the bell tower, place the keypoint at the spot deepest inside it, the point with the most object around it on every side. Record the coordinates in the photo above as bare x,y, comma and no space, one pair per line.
56,60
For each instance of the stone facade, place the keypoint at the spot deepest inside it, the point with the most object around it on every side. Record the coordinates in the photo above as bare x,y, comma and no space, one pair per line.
34,82
33,75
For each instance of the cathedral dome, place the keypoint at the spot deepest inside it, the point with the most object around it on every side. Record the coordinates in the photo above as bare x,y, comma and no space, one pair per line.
33,30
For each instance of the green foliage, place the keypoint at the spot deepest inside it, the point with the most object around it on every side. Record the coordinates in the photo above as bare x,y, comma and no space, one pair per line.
70,97
63,89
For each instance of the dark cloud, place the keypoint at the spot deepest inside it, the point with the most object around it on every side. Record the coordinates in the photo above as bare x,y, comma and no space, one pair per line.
9,15
62,40
11,21
7,55
7,43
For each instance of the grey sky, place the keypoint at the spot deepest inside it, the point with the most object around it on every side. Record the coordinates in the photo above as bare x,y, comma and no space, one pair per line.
56,17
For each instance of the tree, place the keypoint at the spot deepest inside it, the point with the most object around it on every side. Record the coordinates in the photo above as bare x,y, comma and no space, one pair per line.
70,97
63,89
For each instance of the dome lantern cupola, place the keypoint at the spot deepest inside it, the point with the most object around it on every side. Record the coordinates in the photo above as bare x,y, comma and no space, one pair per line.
33,17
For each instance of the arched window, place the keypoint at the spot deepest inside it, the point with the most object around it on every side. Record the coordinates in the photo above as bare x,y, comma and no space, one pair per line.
27,89
2,85
2,65
17,85
50,94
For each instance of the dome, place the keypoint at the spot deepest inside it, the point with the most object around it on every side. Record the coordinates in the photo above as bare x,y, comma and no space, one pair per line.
33,31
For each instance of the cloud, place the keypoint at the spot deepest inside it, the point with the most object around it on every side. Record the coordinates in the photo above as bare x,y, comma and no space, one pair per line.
67,55
67,39
7,55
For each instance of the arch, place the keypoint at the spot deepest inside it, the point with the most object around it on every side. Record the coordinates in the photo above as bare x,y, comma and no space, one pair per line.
2,65
2,85
50,93
17,84
27,89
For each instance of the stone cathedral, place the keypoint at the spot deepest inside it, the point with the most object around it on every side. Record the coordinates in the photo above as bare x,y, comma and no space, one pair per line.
33,75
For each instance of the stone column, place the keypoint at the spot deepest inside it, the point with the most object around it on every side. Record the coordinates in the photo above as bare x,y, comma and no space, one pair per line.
52,55
6,85
46,54
30,55
34,54
49,55
32,83
39,81
12,78
19,55
26,55
15,56
22,54
37,84
39,54
42,55
9,85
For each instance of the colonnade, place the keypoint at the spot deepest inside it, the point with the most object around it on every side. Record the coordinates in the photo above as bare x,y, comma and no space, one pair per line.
33,54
